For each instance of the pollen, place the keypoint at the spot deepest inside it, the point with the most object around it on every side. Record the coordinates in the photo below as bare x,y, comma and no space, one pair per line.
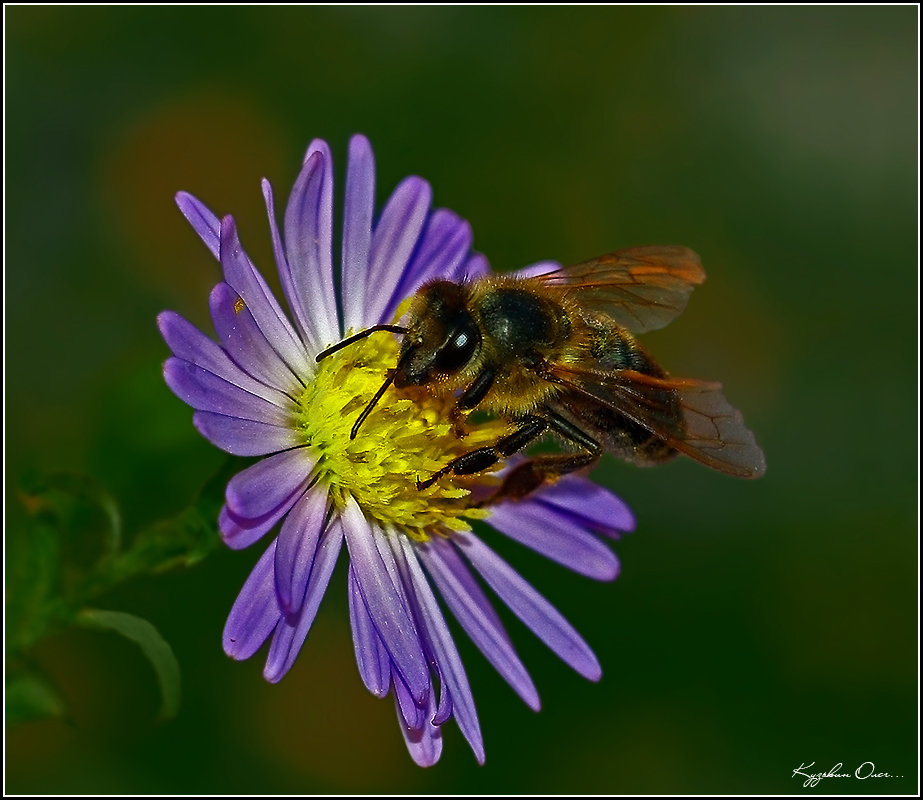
410,434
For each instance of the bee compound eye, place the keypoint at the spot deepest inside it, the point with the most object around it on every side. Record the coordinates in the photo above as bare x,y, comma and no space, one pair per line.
458,349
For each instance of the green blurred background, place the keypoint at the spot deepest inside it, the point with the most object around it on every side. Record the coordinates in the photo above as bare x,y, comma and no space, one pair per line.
756,625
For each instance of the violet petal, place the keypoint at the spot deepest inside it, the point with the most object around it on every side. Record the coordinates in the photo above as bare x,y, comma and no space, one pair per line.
308,234
424,743
439,638
393,241
590,505
291,632
263,487
412,715
244,278
203,222
533,609
297,544
358,208
556,536
440,253
475,267
538,268
445,708
205,391
243,437
306,327
254,614
371,657
245,343
240,532
375,574
190,344
473,610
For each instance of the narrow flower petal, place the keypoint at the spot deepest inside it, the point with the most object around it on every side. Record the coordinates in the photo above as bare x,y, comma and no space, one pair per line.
304,326
245,343
262,488
475,267
473,610
445,708
243,277
556,536
255,613
589,505
205,391
190,344
384,600
394,240
413,716
308,240
358,207
291,633
371,656
240,532
440,640
441,251
243,437
203,222
533,609
538,268
297,544
424,743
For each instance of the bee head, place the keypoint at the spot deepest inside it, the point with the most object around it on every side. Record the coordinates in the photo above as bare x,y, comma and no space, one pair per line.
442,337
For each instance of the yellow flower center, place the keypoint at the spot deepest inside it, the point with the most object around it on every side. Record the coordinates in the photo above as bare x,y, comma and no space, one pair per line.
406,438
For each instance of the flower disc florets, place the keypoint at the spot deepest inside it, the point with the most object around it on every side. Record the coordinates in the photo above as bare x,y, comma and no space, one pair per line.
407,437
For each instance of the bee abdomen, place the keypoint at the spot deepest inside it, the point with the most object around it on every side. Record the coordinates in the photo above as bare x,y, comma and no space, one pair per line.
614,348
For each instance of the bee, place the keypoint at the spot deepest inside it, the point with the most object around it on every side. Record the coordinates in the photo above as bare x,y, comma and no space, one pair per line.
556,353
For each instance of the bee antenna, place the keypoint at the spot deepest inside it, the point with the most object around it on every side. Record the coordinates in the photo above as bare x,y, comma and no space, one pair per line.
389,379
355,338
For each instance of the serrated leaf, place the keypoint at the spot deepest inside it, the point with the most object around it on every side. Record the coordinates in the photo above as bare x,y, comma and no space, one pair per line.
152,644
29,697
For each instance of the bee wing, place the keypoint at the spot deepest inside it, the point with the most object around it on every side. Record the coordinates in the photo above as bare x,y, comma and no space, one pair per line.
712,430
642,288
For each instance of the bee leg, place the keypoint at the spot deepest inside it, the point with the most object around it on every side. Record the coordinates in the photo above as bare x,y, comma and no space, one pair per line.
470,398
529,476
476,392
457,418
484,457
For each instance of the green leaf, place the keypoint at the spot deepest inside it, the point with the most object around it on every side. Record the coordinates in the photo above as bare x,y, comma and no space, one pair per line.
152,644
85,512
29,697
33,573
182,540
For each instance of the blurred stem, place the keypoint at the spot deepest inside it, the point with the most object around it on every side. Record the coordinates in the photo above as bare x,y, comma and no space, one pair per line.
48,582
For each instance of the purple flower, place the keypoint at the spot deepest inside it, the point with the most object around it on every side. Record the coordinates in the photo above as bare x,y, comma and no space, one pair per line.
259,392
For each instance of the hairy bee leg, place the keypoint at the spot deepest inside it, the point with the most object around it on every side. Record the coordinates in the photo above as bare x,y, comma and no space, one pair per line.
526,478
477,391
470,398
457,418
484,457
